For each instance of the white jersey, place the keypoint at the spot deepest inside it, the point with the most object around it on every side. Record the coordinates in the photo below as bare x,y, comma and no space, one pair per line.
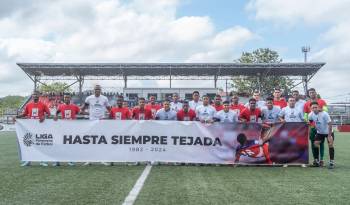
166,115
271,115
321,121
259,104
230,116
97,106
176,106
300,105
193,104
205,112
292,114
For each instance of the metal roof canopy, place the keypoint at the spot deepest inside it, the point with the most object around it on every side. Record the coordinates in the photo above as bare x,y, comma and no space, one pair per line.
169,69
79,72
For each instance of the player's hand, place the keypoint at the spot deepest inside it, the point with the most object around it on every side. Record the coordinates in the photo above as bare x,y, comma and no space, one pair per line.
41,120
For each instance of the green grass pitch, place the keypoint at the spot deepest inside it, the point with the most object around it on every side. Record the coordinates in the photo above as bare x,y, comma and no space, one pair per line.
173,184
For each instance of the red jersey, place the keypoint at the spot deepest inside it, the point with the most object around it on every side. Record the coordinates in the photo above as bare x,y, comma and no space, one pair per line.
280,103
154,108
218,107
250,116
36,110
237,108
186,116
68,111
118,113
307,106
144,114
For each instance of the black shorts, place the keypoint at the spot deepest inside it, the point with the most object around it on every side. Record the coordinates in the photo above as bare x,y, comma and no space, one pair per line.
322,137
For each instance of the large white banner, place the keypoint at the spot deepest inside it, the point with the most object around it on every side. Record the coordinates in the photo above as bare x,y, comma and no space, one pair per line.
162,141
125,141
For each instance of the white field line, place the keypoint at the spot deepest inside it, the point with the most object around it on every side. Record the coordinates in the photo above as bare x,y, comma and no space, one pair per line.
130,199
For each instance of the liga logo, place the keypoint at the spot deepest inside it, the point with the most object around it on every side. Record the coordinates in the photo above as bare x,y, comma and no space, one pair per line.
28,139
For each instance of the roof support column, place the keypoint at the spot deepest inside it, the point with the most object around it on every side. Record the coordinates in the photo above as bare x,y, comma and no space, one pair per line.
125,81
170,78
259,82
215,81
35,83
305,83
81,82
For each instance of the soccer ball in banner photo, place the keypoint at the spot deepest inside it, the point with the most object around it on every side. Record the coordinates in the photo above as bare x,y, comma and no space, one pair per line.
28,139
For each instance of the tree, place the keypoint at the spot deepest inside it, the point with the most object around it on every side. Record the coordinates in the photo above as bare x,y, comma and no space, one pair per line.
10,103
54,87
244,84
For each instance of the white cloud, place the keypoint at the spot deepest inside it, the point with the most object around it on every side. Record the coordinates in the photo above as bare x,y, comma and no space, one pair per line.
333,45
107,31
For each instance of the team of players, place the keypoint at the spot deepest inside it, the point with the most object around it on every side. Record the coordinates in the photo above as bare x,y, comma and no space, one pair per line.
273,110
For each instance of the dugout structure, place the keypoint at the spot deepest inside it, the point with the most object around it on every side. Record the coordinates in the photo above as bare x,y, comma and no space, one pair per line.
302,73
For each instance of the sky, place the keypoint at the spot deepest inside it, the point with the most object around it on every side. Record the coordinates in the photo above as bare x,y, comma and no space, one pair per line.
174,31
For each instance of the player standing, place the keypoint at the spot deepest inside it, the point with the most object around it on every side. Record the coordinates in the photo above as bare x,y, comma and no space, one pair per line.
35,110
251,113
153,106
217,103
68,111
98,106
270,114
307,109
259,103
166,113
299,103
277,100
176,105
226,115
323,124
186,114
140,112
291,113
205,113
235,105
195,102
119,112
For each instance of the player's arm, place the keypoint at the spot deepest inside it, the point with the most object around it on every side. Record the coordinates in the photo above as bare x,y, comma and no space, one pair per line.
237,156
241,117
281,116
84,107
157,115
55,118
46,114
111,114
216,118
23,114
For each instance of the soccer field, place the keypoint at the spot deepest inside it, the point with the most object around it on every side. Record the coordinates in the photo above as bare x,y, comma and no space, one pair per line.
173,184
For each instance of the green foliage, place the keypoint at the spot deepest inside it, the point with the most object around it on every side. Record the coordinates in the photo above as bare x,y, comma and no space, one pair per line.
54,87
244,84
10,102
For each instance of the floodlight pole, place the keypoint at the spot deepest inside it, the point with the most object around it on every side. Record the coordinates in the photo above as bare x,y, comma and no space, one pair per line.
305,50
